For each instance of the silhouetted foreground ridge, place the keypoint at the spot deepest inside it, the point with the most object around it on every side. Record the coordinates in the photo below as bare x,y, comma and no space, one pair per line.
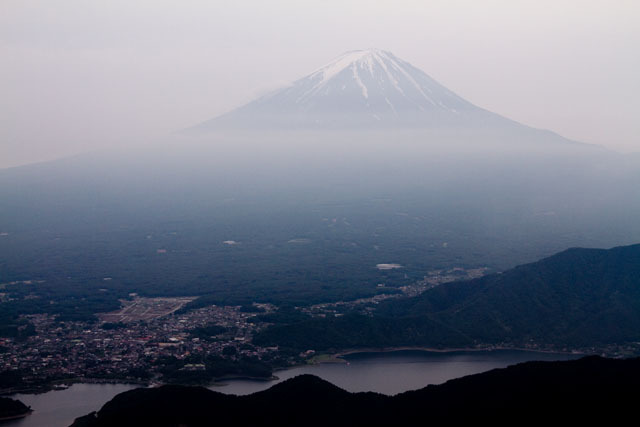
11,408
590,388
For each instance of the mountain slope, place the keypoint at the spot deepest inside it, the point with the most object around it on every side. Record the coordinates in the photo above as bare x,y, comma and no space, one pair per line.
359,89
578,298
570,390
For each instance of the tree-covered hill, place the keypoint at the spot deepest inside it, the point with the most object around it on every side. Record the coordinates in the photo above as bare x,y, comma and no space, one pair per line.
576,298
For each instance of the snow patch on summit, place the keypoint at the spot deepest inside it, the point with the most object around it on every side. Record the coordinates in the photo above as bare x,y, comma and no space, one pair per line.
365,92
358,89
338,65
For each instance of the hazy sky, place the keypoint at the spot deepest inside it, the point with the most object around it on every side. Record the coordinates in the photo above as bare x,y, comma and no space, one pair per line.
80,75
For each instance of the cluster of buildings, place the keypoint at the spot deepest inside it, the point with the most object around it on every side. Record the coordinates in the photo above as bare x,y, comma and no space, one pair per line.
116,350
367,305
128,343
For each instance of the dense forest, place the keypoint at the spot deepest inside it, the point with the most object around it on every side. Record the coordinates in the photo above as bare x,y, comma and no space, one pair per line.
79,234
575,299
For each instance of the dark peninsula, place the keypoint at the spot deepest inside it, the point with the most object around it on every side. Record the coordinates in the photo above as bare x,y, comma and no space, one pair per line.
11,408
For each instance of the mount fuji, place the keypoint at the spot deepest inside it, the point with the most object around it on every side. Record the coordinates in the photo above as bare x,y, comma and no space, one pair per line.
359,89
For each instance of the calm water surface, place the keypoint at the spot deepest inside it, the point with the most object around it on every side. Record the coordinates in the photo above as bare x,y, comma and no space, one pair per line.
387,373
59,408
398,371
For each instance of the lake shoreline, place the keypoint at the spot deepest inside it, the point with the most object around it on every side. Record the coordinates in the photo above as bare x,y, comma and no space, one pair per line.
17,416
220,382
64,384
338,357
321,358
390,372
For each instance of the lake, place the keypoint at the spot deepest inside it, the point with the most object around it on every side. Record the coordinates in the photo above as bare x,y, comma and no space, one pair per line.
387,373
58,408
394,372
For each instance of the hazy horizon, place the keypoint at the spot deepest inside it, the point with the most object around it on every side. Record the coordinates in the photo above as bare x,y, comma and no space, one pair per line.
80,76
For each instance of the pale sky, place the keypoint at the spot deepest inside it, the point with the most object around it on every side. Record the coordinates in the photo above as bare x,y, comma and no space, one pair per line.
83,75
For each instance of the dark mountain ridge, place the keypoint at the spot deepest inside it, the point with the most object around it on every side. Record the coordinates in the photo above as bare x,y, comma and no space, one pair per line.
591,388
578,298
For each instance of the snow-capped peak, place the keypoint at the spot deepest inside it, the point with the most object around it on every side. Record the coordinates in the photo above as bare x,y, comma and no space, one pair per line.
358,88
383,71
356,61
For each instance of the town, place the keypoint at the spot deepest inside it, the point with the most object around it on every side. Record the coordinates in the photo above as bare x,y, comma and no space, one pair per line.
129,351
155,340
